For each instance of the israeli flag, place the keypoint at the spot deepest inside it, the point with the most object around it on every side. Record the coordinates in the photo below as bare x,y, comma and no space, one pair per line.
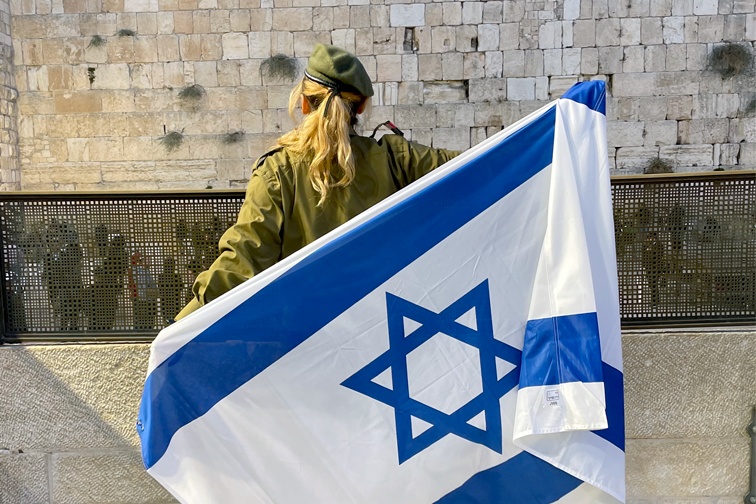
457,343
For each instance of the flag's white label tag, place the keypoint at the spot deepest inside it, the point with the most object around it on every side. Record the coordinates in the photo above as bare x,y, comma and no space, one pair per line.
551,397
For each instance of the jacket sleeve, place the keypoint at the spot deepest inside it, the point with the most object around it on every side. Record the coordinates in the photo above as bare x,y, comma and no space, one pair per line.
412,160
248,247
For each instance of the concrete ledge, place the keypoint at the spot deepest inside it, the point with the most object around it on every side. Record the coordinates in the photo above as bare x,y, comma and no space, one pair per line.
64,397
689,384
108,478
684,468
23,479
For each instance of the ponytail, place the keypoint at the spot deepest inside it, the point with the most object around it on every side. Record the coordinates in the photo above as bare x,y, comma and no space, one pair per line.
322,138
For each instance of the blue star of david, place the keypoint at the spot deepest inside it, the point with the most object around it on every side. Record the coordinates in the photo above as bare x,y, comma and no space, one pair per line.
395,358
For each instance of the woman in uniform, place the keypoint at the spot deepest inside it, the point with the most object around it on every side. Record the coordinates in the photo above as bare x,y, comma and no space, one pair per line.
320,175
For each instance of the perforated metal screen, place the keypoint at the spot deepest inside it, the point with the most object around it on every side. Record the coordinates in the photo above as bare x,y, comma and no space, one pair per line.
686,248
80,266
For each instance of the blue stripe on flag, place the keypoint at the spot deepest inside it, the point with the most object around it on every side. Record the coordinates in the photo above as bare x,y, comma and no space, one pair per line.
591,94
523,478
526,478
561,350
615,407
326,283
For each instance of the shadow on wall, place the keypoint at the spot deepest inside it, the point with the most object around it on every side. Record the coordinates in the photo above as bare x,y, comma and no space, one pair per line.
67,416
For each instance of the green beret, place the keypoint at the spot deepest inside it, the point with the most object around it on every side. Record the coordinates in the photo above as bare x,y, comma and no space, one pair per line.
336,68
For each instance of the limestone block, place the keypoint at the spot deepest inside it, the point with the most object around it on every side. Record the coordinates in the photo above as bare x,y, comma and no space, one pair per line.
359,16
443,39
295,19
147,23
407,15
550,35
679,107
183,23
452,13
513,10
430,66
747,154
513,63
552,62
280,43
624,134
676,58
687,468
261,19
651,31
237,45
410,93
104,478
115,76
610,60
533,63
380,15
673,29
452,66
585,33
344,38
509,36
735,27
340,17
385,40
472,13
165,23
466,38
710,28
488,37
589,61
521,88
474,65
190,47
452,138
633,59
388,67
705,7
630,31
688,155
201,22
660,133
452,115
607,32
488,90
24,478
635,159
728,154
682,7
409,67
444,92
416,116
493,12
322,19
305,41
559,85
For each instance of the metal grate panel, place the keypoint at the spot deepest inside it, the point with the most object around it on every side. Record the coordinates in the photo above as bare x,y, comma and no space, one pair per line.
86,265
686,248
101,266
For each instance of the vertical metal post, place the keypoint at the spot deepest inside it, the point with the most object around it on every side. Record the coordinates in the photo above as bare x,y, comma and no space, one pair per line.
751,497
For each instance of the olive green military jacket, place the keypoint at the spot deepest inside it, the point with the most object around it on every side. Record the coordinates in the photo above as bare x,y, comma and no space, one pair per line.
279,215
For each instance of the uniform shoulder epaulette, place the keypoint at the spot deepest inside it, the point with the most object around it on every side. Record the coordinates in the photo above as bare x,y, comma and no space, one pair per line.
262,158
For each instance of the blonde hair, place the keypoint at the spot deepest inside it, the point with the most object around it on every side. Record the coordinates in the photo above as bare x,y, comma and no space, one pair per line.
322,138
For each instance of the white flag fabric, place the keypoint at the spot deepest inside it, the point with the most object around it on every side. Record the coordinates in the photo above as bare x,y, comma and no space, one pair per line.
459,342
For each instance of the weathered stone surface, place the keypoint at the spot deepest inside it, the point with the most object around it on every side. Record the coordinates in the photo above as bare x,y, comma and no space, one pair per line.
687,468
76,402
23,479
104,478
688,385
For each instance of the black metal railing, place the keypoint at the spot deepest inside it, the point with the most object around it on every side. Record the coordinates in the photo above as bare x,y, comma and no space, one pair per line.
104,266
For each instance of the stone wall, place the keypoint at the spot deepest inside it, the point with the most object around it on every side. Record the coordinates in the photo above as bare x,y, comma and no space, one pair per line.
67,416
99,80
10,175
